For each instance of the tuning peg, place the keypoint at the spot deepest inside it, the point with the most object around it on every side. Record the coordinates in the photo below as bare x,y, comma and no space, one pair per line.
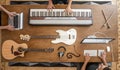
21,36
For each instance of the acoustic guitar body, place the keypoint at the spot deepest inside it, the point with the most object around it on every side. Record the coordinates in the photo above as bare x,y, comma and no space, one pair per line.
11,49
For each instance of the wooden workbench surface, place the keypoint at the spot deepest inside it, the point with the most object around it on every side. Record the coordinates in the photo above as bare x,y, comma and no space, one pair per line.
82,32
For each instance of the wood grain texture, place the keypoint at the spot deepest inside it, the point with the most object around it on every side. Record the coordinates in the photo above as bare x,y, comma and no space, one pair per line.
82,32
4,2
118,63
39,68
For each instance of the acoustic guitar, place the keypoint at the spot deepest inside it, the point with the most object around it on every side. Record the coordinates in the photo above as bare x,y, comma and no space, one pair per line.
67,37
11,49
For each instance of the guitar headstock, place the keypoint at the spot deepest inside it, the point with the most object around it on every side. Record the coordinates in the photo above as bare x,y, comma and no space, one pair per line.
25,37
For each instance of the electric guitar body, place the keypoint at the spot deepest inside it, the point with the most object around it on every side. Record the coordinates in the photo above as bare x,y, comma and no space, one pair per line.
67,37
11,49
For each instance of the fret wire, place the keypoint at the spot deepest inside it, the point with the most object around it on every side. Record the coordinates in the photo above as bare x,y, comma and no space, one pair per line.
41,50
45,36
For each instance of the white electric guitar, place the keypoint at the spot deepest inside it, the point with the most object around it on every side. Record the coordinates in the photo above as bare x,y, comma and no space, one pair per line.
67,37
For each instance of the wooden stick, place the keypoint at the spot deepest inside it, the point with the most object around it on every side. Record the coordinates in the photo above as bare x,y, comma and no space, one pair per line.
107,20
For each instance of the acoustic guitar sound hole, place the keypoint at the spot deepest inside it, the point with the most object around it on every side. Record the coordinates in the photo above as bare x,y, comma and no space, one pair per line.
20,49
16,53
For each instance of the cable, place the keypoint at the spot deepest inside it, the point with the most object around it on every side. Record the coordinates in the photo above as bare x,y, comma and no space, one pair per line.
100,33
112,51
70,54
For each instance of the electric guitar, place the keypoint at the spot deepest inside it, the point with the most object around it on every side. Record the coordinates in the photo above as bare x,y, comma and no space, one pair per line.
67,37
11,49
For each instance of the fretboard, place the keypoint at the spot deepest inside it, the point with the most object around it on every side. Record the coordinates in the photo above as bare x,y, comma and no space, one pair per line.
46,36
44,50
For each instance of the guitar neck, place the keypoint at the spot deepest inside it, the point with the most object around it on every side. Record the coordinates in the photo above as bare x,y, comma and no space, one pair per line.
46,36
45,50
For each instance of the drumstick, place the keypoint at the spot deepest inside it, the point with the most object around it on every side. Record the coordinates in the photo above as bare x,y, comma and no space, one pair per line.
107,20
